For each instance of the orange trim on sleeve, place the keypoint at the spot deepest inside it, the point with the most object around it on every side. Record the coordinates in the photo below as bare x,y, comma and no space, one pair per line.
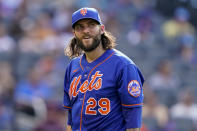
68,107
133,104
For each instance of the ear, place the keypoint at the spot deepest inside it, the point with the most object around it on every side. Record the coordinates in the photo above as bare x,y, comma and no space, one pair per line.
102,29
74,32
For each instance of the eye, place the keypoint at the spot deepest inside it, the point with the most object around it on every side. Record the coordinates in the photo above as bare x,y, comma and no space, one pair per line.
78,27
92,24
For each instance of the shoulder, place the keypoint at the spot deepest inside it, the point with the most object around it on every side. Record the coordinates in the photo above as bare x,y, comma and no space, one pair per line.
123,62
122,58
74,61
73,64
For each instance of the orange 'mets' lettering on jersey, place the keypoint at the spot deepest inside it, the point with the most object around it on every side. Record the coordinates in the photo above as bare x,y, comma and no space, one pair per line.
86,85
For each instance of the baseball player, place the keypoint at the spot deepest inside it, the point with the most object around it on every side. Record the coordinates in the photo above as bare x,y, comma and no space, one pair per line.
103,87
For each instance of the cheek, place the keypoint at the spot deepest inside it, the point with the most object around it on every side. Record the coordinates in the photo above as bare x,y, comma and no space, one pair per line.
96,32
78,36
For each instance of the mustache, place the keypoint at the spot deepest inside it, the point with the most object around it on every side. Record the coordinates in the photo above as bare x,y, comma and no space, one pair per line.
86,35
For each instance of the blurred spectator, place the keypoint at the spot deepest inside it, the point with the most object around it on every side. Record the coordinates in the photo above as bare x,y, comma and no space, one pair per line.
165,83
39,36
43,26
183,113
7,43
8,8
30,114
7,82
30,43
33,86
6,116
61,18
179,24
164,77
188,58
39,88
7,85
142,30
187,54
186,106
155,114
54,121
51,74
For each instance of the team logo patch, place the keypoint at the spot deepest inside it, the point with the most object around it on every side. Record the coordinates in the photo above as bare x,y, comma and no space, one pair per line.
134,88
83,11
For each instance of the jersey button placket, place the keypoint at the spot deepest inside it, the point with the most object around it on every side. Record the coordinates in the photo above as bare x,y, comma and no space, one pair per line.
86,72
84,78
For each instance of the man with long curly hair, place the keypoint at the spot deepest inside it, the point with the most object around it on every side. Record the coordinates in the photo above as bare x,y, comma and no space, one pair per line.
102,86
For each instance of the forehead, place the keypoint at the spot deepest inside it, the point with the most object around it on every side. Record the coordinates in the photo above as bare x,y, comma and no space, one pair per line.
86,21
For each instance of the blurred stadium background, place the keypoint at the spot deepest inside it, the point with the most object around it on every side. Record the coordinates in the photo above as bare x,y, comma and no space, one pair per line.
159,35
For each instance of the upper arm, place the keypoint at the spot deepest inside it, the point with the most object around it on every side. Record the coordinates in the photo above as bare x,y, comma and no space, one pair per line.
131,96
130,83
132,117
66,99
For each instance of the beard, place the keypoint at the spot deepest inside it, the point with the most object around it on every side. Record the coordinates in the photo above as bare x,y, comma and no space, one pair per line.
95,43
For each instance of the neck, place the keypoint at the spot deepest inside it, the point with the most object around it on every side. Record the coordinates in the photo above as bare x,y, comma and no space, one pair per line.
96,53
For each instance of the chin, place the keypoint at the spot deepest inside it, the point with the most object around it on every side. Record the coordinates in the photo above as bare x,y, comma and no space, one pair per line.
87,43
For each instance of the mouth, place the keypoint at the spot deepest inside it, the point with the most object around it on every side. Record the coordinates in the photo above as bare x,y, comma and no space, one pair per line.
87,37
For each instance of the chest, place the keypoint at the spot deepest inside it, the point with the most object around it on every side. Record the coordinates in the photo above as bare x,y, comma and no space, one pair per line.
101,81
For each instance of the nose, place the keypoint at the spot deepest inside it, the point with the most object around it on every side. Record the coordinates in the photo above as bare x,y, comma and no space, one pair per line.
86,29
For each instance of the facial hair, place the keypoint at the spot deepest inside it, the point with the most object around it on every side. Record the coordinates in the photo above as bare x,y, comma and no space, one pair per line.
94,45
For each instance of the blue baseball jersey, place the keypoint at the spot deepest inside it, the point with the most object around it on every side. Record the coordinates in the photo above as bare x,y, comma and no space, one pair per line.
100,95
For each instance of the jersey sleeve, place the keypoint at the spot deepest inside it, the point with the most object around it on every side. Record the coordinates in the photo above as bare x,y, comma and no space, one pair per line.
69,121
130,84
133,117
66,99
